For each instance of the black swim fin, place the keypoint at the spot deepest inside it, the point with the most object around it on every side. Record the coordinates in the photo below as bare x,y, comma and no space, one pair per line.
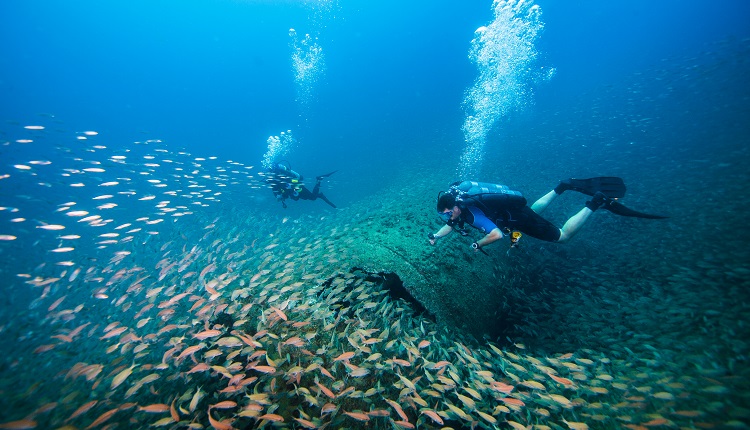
612,186
318,178
620,209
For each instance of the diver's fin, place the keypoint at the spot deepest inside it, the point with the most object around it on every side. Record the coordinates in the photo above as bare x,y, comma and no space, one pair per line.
325,176
622,210
612,186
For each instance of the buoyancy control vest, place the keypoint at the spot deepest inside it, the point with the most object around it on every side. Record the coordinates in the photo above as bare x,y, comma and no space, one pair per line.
488,197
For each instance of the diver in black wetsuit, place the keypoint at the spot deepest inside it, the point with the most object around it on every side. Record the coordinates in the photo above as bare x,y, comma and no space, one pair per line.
287,184
490,207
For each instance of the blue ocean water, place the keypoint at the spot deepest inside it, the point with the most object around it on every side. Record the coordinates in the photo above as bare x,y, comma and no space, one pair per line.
653,92
218,74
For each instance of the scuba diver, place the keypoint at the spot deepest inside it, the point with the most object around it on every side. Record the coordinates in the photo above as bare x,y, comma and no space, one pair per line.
494,209
287,184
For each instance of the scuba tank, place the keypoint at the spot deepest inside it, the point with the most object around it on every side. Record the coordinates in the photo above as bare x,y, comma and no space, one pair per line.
286,171
490,196
486,194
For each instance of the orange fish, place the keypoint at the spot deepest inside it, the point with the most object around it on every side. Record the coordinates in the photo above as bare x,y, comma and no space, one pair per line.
210,268
78,329
512,401
688,413
63,338
440,364
657,422
281,314
294,341
231,389
305,423
166,313
200,367
398,409
327,408
84,408
173,411
44,408
325,372
503,388
433,416
207,334
325,390
113,333
218,425
272,417
190,351
44,348
103,418
155,408
227,404
166,328
564,381
18,425
345,356
56,303
358,416
247,381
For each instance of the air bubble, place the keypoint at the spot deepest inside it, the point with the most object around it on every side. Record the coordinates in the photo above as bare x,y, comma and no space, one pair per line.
504,52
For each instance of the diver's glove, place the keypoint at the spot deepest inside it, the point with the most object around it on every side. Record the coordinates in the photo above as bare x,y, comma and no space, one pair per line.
432,238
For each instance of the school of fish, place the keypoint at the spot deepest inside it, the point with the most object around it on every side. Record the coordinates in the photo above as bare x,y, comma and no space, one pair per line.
150,300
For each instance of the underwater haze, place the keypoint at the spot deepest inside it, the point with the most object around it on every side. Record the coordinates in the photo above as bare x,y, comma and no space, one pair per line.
151,276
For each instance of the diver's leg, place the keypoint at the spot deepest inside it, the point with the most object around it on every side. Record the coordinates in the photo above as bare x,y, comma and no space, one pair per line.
305,194
574,224
540,205
316,194
533,224
325,199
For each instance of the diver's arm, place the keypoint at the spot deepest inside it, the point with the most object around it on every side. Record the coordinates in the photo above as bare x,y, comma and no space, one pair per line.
444,230
492,236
